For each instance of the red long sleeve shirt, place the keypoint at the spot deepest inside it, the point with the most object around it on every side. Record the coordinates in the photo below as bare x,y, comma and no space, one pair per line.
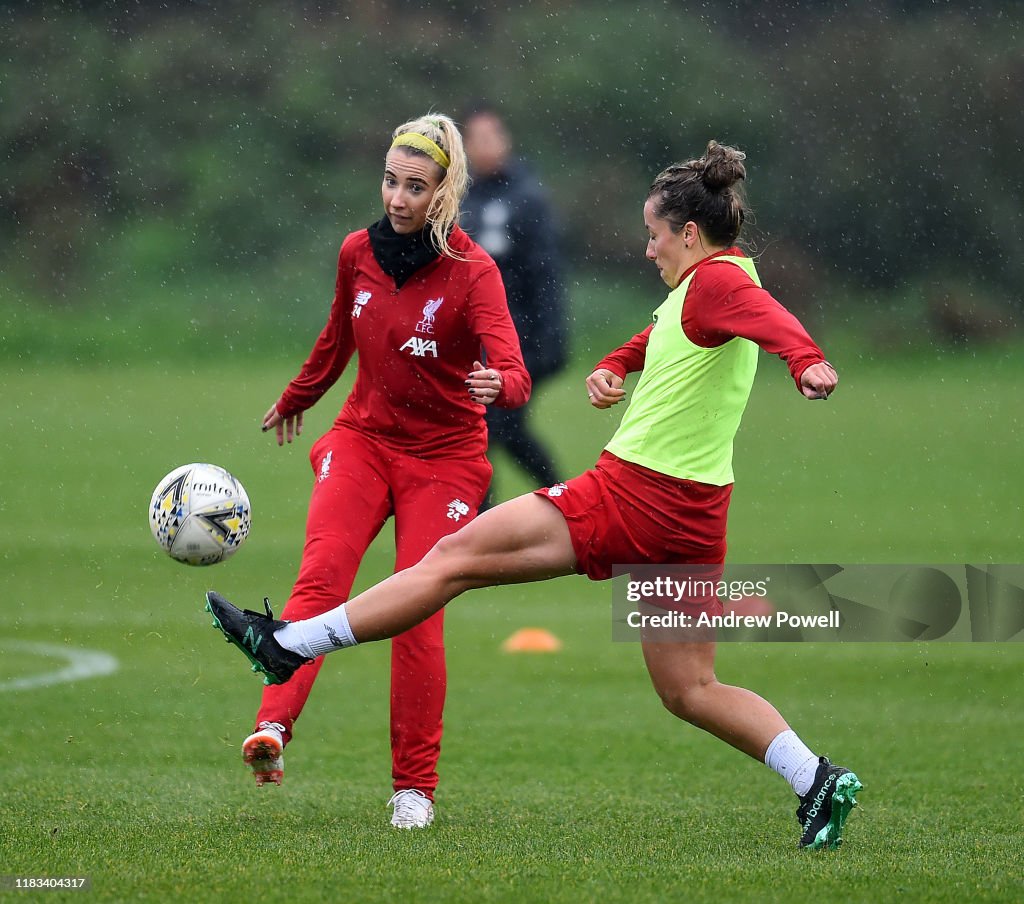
723,302
416,345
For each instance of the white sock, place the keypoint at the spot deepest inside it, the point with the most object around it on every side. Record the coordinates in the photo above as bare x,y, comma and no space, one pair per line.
793,760
315,636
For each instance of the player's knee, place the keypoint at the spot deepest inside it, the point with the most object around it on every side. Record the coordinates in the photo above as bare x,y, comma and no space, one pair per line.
448,547
676,703
449,556
685,700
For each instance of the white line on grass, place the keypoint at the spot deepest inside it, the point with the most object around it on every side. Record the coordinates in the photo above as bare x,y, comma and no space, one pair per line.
80,664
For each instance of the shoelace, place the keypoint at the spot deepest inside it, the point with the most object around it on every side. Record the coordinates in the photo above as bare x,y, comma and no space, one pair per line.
408,802
275,725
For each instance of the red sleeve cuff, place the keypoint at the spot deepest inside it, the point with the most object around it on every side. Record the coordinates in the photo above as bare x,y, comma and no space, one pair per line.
614,366
287,406
516,387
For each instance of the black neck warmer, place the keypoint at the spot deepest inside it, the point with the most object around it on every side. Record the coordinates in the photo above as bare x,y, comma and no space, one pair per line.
400,256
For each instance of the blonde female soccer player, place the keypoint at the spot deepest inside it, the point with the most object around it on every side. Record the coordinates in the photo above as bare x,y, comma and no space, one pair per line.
422,305
659,492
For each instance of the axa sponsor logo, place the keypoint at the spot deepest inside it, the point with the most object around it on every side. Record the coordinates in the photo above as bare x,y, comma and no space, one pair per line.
359,302
420,348
426,325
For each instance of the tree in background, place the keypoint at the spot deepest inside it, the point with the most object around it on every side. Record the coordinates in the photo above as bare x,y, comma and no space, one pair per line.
163,144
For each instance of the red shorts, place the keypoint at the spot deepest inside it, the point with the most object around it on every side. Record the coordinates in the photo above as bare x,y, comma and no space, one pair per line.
623,514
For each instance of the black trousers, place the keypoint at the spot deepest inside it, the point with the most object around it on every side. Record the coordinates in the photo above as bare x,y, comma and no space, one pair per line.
508,429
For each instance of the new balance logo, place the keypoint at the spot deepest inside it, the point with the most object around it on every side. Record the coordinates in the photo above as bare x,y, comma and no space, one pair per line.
360,300
457,509
819,799
332,636
420,348
250,639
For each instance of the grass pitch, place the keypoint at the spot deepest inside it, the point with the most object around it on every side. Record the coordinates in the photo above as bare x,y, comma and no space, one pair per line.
562,778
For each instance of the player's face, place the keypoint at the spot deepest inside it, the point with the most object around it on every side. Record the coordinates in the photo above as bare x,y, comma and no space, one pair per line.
666,248
487,144
410,180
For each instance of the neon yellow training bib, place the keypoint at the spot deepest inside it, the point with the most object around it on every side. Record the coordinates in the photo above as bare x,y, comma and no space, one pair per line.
688,403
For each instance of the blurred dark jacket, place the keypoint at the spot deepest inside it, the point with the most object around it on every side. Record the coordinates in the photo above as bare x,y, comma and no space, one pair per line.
509,216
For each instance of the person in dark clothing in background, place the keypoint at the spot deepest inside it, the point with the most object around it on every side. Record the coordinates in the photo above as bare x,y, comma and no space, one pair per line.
508,214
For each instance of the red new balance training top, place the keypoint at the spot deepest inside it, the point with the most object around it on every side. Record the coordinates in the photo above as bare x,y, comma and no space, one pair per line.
416,345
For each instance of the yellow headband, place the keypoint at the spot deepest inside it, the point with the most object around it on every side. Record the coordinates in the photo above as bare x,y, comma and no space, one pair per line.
422,143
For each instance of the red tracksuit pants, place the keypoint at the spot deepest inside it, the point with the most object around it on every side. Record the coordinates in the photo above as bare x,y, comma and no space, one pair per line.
358,484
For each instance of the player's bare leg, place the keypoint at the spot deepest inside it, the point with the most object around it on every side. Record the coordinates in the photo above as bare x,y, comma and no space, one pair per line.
524,539
683,674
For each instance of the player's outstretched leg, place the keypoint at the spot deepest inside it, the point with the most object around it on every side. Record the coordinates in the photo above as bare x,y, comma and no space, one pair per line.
253,634
525,539
823,810
263,752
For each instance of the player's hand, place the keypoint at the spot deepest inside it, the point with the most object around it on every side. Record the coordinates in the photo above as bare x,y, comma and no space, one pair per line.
604,388
484,384
819,380
291,426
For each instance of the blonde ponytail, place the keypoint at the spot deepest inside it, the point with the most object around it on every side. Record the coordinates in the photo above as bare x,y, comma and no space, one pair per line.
443,212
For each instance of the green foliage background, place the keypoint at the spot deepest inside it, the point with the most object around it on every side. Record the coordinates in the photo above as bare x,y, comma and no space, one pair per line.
184,157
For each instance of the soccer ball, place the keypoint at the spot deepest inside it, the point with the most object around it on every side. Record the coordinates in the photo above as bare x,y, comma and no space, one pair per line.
199,514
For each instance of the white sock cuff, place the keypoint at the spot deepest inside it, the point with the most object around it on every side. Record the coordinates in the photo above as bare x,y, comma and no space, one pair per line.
792,759
778,744
312,637
329,632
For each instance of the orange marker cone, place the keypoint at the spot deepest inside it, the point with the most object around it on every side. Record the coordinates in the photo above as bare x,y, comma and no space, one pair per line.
532,640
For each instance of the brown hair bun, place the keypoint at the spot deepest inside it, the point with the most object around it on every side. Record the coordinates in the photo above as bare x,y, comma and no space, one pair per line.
721,166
